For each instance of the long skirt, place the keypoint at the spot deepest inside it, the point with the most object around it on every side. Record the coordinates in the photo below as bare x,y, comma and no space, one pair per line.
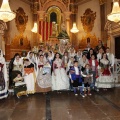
4,92
30,83
104,81
60,80
43,83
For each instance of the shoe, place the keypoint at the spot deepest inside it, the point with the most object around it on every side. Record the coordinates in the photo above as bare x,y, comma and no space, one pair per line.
89,94
85,95
76,94
82,95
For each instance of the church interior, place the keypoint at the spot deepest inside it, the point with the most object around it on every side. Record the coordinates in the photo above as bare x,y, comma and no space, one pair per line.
81,23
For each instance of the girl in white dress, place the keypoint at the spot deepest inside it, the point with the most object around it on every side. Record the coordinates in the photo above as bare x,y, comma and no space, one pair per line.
105,79
60,80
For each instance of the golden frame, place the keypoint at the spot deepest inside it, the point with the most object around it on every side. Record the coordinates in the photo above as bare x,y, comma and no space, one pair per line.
21,20
58,12
88,20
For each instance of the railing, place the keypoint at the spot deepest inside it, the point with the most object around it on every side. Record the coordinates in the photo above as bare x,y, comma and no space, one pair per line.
117,67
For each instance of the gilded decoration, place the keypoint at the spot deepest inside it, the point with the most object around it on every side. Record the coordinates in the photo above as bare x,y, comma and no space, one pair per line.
88,20
21,20
43,2
58,13
73,8
20,42
66,2
102,2
88,39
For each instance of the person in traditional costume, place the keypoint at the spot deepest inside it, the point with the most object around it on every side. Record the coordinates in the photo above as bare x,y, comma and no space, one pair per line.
65,59
43,83
90,53
69,66
88,78
94,66
86,50
83,61
100,53
60,80
100,45
20,86
79,55
31,57
72,52
50,57
61,50
76,79
16,64
105,79
3,77
111,58
29,76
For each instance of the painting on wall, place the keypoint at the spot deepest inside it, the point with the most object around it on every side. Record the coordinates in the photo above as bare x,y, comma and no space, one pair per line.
88,20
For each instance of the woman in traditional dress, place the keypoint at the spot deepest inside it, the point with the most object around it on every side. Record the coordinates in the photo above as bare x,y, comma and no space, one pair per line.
79,55
60,80
43,83
105,79
29,76
50,57
16,65
72,52
31,57
90,53
3,77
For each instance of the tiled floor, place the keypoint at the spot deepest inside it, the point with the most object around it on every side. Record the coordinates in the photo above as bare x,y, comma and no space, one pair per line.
104,105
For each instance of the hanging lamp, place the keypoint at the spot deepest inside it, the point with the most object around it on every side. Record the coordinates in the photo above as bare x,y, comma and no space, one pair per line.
5,12
74,28
115,14
35,28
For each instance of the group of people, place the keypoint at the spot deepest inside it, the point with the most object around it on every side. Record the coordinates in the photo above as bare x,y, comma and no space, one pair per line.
58,68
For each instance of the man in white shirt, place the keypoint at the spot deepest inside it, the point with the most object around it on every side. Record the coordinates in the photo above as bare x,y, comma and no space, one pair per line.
111,58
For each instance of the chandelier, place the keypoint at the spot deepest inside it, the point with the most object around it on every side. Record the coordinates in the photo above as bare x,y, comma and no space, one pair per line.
5,12
115,14
34,28
74,28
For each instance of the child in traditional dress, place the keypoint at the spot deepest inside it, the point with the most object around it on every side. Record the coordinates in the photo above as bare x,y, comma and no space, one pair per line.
88,77
20,86
76,79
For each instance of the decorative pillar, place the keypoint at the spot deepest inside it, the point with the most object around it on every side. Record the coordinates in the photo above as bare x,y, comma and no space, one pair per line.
103,15
41,19
67,18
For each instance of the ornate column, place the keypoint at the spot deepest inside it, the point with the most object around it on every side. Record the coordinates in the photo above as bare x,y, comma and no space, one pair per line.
41,19
103,14
67,19
3,27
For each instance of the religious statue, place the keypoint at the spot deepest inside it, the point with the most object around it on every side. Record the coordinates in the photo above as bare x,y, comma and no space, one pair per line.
63,34
54,29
